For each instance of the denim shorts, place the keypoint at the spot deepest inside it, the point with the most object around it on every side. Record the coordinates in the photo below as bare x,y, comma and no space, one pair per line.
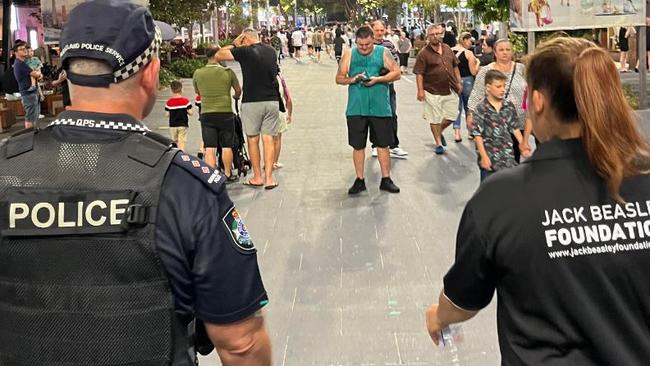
32,106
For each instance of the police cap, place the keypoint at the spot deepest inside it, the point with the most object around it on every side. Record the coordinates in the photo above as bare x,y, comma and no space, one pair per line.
118,32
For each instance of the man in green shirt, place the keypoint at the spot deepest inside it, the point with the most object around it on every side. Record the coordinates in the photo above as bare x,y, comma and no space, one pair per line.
213,83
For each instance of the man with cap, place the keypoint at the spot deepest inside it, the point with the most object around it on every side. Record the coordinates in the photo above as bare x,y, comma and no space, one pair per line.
113,243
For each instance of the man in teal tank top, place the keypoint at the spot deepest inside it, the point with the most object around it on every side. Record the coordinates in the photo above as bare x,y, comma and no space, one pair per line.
368,107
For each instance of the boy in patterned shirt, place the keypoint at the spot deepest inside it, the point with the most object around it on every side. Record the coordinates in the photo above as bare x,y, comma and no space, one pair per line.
495,118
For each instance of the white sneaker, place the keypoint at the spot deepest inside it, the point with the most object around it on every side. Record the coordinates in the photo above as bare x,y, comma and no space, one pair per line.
374,152
398,151
41,116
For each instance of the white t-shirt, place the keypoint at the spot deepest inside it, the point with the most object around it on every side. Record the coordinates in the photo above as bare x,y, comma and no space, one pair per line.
296,37
283,38
310,36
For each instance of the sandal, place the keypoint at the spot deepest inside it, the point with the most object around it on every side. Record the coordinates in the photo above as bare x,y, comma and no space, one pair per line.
248,183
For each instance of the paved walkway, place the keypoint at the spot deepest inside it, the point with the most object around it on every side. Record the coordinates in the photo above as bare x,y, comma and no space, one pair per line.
349,278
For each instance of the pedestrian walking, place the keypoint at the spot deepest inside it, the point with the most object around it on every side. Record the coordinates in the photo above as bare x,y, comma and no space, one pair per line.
296,41
276,43
379,35
404,46
368,107
178,109
468,65
317,41
420,43
514,89
28,91
329,42
138,241
494,121
285,119
438,84
260,108
623,44
217,86
339,44
545,235
487,51
309,41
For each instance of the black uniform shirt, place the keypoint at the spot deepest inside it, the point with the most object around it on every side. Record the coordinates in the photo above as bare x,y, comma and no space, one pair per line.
208,255
569,264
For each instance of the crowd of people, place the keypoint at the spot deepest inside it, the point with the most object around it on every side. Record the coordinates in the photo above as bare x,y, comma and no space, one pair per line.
457,78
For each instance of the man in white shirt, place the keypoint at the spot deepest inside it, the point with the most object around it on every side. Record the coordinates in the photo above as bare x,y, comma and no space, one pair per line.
296,37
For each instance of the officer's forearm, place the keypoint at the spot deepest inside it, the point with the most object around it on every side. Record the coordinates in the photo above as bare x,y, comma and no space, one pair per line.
243,343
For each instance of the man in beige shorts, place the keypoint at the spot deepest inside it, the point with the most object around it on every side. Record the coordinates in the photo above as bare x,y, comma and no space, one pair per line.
439,84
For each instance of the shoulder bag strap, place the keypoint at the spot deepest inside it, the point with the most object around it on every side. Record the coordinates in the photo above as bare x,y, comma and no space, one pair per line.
514,70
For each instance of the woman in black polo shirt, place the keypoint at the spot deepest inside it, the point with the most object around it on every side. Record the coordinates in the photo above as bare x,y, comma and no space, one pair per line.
563,238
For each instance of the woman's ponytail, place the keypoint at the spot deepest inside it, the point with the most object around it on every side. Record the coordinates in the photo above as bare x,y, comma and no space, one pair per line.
611,136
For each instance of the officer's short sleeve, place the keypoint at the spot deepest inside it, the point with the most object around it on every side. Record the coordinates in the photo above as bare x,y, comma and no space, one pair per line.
470,283
228,285
205,247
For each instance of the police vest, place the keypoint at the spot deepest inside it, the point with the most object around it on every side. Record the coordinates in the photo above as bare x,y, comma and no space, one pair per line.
80,280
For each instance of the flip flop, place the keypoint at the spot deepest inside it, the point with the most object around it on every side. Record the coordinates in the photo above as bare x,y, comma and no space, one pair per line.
270,186
248,183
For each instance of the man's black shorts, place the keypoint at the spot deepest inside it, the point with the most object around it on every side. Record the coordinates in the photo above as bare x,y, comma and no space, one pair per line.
381,131
318,49
297,48
218,129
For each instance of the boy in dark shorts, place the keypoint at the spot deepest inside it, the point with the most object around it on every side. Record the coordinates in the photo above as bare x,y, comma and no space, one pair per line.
495,118
178,108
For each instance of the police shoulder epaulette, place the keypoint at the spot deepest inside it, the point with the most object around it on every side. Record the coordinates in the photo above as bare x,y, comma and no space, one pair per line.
20,142
200,170
148,148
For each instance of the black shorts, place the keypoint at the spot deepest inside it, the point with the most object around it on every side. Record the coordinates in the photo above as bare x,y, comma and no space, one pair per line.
310,46
404,59
318,49
218,130
381,131
296,48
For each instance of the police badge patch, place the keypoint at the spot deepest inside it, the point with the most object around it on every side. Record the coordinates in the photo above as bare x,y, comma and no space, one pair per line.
235,226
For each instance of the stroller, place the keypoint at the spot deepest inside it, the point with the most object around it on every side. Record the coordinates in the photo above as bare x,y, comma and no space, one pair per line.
240,160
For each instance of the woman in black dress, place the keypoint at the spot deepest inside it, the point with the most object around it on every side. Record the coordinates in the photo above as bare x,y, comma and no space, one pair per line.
623,44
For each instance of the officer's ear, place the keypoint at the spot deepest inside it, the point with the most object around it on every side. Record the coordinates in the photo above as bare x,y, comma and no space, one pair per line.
150,75
538,102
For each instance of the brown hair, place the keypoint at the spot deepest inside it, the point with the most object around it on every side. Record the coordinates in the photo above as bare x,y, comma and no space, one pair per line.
176,86
494,75
586,87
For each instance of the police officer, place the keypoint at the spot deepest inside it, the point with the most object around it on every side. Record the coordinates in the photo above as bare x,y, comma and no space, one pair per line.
112,241
564,238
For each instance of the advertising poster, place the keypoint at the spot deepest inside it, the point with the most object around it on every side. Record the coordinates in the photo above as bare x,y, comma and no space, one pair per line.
549,15
55,15
27,24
